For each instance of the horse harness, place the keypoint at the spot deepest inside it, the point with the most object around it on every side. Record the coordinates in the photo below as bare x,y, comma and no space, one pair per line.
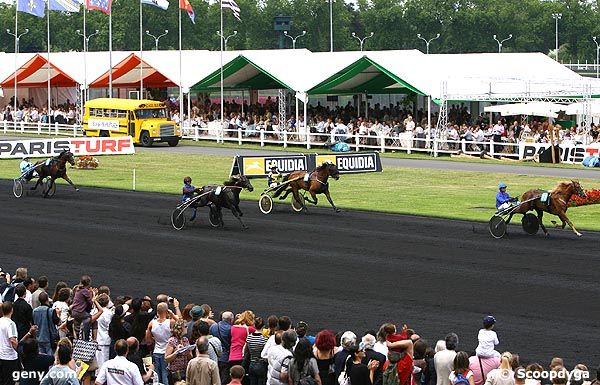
325,184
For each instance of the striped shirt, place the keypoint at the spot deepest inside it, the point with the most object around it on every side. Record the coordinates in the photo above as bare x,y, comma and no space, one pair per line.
255,343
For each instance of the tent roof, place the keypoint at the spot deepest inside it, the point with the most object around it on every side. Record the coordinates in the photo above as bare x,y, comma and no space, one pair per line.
34,73
126,73
367,75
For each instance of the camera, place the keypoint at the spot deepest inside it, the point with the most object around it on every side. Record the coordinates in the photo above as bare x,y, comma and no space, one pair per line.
170,299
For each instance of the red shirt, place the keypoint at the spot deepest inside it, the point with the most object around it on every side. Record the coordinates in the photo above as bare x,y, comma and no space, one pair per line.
405,369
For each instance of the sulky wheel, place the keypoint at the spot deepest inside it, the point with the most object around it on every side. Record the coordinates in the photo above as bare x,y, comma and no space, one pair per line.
530,223
213,217
18,188
497,227
265,204
178,219
298,205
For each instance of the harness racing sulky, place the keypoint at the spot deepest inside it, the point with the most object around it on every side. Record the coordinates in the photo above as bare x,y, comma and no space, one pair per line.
47,171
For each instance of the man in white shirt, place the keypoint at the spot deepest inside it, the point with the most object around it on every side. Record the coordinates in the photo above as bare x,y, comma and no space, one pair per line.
119,371
9,360
444,360
102,337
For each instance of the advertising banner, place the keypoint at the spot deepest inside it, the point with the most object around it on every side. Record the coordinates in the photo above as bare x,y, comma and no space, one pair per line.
44,148
569,153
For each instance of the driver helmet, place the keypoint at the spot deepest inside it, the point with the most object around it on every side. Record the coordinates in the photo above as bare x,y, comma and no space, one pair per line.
274,167
187,180
501,185
25,157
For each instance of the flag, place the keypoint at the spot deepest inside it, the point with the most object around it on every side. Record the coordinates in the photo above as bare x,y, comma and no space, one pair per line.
64,5
162,4
32,7
185,4
235,9
99,5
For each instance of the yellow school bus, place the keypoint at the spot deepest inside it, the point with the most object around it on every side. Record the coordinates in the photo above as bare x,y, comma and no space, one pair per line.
146,121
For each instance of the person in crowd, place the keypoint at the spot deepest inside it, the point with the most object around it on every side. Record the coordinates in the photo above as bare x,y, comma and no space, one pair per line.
303,364
271,326
133,355
103,336
22,311
118,329
504,375
159,331
178,352
368,341
138,319
34,362
381,344
596,380
236,373
119,370
279,359
208,314
242,327
255,342
196,312
61,306
46,319
302,331
401,351
42,287
63,373
82,304
215,349
324,352
461,375
222,330
9,359
284,323
358,372
487,337
347,342
201,370
444,359
59,285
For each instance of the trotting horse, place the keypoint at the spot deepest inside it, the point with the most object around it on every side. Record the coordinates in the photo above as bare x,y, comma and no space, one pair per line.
557,203
228,197
55,168
316,184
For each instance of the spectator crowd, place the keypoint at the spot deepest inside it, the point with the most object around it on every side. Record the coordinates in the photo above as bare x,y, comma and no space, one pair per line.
84,335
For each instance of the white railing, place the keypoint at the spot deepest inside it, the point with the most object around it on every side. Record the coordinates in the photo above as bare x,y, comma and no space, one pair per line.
40,128
382,143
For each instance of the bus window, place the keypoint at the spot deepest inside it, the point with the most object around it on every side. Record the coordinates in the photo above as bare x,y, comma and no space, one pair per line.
154,113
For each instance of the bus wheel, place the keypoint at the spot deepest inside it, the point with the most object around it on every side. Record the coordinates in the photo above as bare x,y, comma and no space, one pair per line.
173,143
104,134
145,139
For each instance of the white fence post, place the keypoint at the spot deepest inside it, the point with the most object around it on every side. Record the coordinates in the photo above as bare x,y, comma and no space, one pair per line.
463,146
5,126
39,127
492,147
285,139
308,133
74,130
56,128
357,141
196,130
22,127
435,146
239,135
262,138
410,143
382,140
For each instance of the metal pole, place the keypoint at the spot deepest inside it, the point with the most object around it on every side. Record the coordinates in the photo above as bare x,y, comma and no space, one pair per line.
331,25
85,43
222,107
362,41
427,42
597,56
16,63
180,77
141,53
557,17
110,93
48,57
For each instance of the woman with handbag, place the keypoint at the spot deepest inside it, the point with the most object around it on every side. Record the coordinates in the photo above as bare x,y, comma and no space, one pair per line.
85,345
242,327
178,352
255,342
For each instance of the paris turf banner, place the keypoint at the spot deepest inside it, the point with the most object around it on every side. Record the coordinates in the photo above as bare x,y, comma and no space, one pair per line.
260,165
569,152
44,148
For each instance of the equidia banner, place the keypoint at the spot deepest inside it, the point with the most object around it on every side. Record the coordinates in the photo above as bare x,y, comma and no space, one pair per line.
42,148
259,166
569,153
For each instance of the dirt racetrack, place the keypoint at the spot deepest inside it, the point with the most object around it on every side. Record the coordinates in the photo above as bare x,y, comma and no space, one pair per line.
353,270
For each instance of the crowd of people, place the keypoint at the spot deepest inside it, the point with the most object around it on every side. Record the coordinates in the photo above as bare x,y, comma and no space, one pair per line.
27,111
83,334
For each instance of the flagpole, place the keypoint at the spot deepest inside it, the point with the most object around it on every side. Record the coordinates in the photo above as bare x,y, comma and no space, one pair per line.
141,54
222,101
110,94
48,57
16,61
180,77
85,91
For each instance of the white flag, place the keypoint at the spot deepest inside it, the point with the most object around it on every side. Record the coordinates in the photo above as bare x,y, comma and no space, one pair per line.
162,4
235,9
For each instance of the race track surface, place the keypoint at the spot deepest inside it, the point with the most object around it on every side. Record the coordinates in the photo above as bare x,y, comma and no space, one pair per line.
352,270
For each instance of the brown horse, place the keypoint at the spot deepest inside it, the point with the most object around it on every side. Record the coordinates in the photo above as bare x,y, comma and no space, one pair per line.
316,184
557,203
54,168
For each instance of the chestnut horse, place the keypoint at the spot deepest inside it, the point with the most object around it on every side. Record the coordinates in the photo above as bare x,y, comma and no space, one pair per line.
558,203
55,167
316,184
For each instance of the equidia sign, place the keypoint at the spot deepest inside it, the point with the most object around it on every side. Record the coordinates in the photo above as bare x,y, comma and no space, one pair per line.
78,146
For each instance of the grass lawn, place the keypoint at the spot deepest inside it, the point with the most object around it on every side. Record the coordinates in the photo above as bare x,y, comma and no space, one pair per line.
448,194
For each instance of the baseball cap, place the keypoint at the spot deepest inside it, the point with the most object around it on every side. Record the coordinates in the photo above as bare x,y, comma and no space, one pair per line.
489,320
501,185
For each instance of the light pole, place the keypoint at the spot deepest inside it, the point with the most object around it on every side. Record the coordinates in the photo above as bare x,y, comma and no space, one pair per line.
500,42
294,38
157,38
330,25
427,42
556,17
597,56
362,41
226,39
17,37
86,44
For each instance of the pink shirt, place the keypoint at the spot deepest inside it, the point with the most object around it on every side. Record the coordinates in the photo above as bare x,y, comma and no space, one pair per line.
487,363
238,341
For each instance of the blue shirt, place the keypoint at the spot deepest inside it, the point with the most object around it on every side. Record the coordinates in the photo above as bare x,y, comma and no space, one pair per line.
222,330
501,198
189,191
